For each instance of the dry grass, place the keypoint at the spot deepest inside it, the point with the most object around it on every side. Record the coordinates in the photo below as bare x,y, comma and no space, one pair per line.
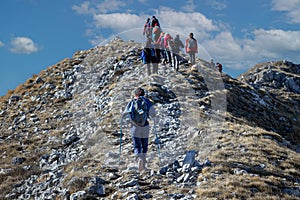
245,148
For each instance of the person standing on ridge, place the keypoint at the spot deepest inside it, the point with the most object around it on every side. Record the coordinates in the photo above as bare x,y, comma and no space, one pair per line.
167,39
140,109
191,47
154,22
219,67
147,29
149,56
175,45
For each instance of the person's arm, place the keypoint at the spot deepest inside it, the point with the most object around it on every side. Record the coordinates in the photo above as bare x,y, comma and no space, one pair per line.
127,110
181,44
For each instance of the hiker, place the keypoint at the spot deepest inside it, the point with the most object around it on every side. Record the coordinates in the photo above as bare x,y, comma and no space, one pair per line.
149,56
160,46
175,45
156,32
147,29
191,48
154,22
167,47
140,109
219,67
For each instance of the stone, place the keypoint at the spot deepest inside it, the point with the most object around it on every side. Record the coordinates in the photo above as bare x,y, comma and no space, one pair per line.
17,160
98,189
77,195
190,157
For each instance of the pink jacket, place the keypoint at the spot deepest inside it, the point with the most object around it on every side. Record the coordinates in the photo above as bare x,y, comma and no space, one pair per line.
167,38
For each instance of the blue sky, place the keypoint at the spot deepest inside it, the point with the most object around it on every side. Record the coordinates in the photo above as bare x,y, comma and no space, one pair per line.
36,34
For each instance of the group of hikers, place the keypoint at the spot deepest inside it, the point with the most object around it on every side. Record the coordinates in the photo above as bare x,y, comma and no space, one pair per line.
161,47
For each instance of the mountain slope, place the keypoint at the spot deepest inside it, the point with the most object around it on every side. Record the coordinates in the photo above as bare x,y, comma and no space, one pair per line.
220,138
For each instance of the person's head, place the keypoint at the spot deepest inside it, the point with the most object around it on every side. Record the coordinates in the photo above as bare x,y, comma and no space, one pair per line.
148,19
153,17
177,36
191,35
139,92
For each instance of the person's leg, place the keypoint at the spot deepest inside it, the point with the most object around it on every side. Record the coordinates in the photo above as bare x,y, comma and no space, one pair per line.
138,152
144,144
193,59
173,59
176,62
142,164
169,57
148,69
137,145
155,68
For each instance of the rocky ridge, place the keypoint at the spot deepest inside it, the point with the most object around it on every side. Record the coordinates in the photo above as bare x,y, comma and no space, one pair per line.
217,139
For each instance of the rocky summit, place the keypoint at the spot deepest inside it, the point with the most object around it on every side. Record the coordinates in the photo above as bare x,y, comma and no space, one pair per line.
214,137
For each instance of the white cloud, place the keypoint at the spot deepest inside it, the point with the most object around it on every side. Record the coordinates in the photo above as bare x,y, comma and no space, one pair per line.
84,8
264,45
277,40
291,7
107,6
189,6
110,6
216,4
23,45
170,20
1,44
195,21
118,21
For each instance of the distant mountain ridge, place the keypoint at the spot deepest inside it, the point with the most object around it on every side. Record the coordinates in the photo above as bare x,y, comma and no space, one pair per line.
221,138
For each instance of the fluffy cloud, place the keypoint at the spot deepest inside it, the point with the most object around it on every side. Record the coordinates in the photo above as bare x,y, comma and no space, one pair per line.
107,6
217,4
23,45
118,21
261,45
82,9
194,21
1,44
291,7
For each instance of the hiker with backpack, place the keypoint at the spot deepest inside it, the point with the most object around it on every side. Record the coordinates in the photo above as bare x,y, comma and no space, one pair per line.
191,47
139,110
160,46
149,56
154,22
156,32
147,28
175,46
219,67
167,47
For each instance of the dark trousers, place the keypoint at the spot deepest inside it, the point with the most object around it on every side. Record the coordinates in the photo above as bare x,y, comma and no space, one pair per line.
192,57
140,145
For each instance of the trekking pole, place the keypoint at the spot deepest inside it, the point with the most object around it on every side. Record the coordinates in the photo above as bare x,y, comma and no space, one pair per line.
121,133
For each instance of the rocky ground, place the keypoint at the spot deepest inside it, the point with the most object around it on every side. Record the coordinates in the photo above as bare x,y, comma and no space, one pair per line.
219,137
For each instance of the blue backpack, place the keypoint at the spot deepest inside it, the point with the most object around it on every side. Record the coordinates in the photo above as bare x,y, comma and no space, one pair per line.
144,55
138,110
